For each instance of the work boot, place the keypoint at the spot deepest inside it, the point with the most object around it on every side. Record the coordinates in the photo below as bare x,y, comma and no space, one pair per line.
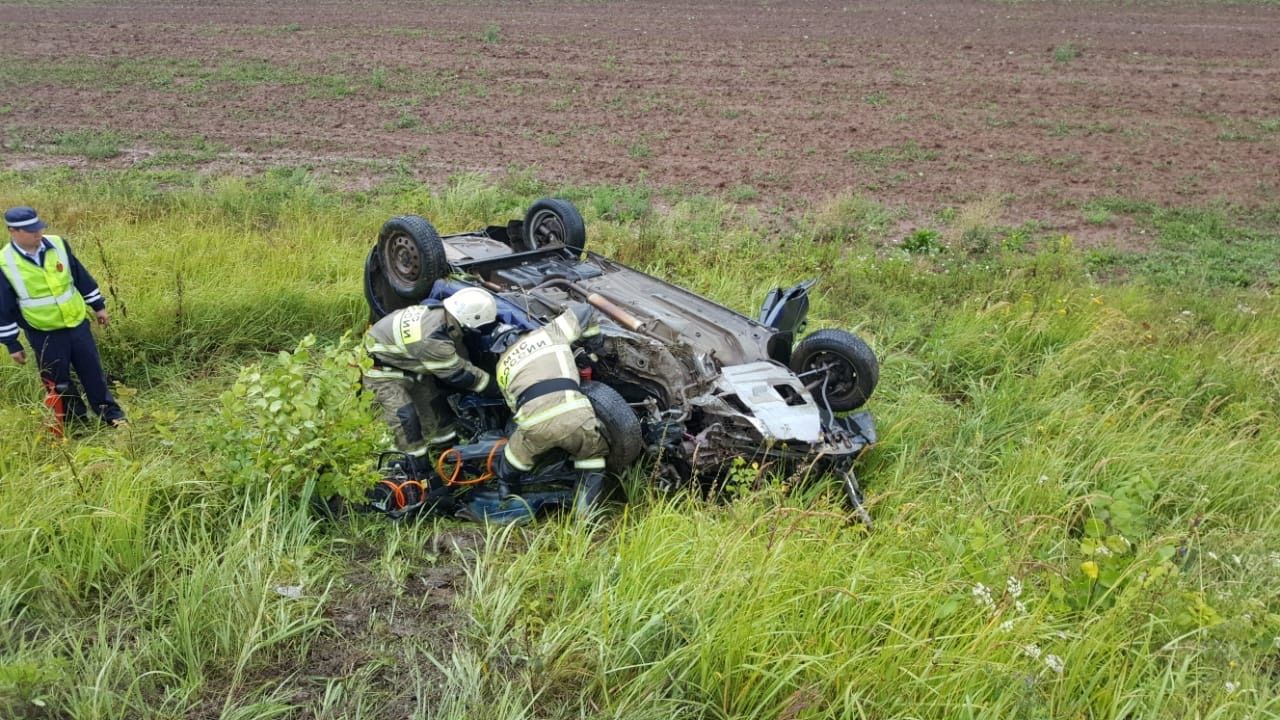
588,493
509,477
417,467
443,439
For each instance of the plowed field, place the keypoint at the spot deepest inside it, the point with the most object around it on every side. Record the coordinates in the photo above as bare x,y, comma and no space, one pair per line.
1041,106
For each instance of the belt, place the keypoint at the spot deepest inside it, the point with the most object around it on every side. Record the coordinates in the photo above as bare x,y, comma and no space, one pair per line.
546,387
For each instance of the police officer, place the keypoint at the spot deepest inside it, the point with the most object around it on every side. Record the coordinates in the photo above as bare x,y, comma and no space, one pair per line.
540,382
414,351
47,292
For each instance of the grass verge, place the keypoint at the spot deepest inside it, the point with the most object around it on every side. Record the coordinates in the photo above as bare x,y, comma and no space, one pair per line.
1075,488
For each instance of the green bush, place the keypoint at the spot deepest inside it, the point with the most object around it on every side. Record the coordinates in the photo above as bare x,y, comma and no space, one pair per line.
301,419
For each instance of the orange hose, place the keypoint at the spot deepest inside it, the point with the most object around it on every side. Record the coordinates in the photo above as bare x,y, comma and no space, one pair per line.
454,478
451,478
488,463
397,491
422,490
396,494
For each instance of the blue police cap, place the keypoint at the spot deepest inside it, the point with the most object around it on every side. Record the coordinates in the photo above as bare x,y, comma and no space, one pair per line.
23,218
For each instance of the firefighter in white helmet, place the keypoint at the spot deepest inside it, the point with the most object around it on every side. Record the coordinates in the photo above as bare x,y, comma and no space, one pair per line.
539,379
415,351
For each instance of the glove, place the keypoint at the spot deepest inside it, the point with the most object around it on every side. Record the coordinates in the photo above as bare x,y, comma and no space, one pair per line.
594,345
584,314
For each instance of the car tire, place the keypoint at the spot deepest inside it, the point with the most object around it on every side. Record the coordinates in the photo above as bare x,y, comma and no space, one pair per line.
377,291
854,368
620,424
550,222
411,255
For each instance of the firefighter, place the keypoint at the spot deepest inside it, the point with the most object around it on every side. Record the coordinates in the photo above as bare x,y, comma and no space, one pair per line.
47,292
416,350
539,379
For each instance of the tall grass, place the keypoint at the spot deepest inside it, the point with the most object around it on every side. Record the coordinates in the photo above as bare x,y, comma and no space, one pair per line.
1075,490
1076,498
134,583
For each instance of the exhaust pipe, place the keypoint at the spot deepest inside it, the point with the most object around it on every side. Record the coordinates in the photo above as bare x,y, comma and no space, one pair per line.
599,302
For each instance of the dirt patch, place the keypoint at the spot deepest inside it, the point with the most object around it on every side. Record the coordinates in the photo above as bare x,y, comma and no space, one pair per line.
918,103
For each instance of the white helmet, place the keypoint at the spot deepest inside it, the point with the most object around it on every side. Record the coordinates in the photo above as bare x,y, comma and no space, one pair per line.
472,307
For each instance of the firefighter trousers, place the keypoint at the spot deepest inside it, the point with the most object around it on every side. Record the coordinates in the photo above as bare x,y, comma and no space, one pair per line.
577,432
414,408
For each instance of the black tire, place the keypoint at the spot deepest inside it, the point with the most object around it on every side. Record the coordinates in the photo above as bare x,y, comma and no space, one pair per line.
550,222
854,370
621,426
378,294
411,255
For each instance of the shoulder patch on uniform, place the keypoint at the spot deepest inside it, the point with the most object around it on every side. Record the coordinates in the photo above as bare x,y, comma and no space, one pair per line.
410,329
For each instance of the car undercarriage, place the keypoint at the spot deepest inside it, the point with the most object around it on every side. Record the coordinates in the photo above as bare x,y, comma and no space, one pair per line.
687,384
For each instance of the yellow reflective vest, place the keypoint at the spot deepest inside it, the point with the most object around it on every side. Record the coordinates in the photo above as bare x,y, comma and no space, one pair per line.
47,294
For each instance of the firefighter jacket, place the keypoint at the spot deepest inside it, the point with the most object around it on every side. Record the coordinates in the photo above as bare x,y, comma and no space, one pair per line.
422,340
51,295
538,376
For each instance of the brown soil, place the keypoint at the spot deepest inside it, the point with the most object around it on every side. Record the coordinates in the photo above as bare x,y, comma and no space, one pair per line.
922,104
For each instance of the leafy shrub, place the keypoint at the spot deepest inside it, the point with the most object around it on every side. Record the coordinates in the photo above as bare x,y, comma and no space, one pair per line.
300,419
1114,562
923,241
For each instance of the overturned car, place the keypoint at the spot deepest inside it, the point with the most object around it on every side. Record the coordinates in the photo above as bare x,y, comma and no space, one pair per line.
678,378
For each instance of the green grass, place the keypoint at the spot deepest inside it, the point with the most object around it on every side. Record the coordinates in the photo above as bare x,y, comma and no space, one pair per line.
187,76
407,119
1097,216
888,155
1205,246
92,144
1074,490
742,193
639,150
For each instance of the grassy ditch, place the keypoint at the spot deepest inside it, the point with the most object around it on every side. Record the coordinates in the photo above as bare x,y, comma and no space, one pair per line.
1075,490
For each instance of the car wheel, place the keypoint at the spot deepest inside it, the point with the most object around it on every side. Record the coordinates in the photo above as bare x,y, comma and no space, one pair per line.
621,426
852,370
550,222
411,255
377,291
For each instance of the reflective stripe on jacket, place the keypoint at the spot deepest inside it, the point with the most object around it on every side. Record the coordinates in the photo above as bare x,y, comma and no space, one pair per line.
47,296
421,339
544,354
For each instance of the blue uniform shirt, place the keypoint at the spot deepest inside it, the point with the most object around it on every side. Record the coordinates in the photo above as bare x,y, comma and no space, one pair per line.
11,315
